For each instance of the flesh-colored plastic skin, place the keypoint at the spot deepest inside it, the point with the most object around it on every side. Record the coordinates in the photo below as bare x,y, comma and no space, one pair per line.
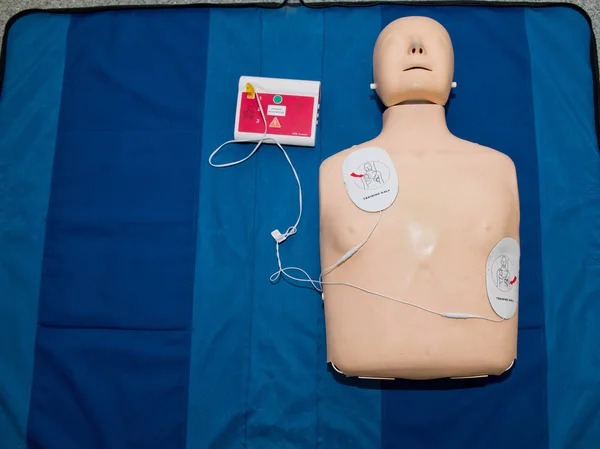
456,200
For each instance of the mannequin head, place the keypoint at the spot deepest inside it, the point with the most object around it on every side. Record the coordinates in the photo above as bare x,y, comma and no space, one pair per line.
413,61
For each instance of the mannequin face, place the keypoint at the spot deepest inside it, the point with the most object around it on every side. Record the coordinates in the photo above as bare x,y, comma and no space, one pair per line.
413,61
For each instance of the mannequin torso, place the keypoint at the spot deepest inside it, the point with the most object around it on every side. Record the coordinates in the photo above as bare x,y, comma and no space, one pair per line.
456,200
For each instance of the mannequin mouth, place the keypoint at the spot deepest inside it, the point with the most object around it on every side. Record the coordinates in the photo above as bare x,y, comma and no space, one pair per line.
417,68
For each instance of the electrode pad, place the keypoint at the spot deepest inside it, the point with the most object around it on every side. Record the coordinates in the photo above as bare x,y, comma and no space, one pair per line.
502,277
370,179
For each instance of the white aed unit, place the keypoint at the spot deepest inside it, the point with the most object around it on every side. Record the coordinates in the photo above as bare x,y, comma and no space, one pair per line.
291,110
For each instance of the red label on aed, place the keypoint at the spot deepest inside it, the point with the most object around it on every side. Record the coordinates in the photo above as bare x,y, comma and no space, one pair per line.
289,115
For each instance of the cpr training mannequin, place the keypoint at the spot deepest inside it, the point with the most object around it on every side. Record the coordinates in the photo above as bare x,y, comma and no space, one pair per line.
435,246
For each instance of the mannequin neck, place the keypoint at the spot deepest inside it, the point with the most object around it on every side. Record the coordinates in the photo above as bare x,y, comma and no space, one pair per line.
417,121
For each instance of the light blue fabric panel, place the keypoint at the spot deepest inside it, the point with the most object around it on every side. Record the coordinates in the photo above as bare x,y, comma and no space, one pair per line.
285,319
29,108
349,411
263,344
220,350
569,171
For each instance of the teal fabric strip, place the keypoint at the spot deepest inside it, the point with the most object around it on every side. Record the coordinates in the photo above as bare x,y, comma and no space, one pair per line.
29,109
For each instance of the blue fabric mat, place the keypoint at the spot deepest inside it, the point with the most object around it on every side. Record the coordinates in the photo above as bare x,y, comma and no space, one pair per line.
135,304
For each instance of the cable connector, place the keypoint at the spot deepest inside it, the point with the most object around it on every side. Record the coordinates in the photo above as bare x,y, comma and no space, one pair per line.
459,316
349,254
278,236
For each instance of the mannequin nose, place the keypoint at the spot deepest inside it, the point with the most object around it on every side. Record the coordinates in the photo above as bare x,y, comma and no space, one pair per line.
416,48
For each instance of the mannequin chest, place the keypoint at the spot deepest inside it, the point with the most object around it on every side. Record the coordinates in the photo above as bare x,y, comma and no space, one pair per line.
446,205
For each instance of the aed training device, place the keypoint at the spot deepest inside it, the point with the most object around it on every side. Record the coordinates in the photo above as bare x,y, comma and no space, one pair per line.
291,109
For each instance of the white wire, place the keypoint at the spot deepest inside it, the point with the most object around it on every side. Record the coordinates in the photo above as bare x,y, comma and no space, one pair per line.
284,272
294,228
318,284
352,251
442,314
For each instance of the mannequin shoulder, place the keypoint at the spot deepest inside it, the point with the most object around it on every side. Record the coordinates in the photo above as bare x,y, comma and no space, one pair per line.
491,159
335,161
331,180
502,163
499,170
332,162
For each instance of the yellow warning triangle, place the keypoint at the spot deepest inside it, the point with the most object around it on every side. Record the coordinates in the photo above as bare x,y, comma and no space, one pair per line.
275,123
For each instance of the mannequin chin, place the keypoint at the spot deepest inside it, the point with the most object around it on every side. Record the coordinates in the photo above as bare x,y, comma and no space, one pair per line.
415,94
430,247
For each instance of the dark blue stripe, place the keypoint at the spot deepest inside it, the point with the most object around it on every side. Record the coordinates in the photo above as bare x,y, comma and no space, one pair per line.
121,234
99,389
493,107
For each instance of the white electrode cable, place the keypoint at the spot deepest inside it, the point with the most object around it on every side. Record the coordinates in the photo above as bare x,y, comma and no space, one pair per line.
294,228
317,284
453,315
280,238
350,253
